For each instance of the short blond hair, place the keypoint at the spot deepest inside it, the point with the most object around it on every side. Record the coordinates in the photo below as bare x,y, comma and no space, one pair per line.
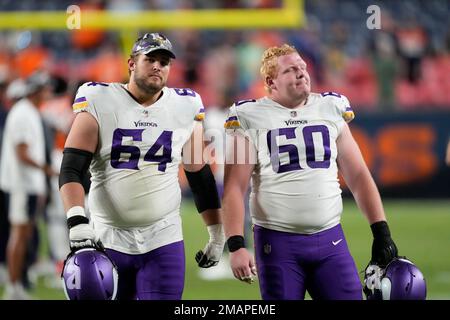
269,65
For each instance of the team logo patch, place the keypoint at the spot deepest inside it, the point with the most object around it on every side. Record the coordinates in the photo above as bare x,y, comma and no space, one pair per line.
232,123
159,39
267,248
80,103
200,116
348,114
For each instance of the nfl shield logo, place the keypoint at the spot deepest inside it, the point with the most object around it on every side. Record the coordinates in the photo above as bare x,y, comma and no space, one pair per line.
267,248
293,114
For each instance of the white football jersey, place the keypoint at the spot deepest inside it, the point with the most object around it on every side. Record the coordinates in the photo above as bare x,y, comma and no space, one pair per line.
135,167
295,185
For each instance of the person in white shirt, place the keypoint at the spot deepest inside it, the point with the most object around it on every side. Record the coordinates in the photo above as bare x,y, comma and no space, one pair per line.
22,176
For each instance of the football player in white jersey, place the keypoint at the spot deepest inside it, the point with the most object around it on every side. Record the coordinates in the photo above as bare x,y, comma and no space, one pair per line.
295,142
134,137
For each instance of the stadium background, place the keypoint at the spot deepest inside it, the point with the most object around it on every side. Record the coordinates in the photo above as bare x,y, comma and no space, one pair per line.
396,78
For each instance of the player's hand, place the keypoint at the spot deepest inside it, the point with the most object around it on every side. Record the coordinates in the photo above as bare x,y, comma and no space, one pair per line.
213,250
81,233
384,249
243,265
82,236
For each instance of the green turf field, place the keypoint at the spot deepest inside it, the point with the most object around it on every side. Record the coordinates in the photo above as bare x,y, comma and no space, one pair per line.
421,230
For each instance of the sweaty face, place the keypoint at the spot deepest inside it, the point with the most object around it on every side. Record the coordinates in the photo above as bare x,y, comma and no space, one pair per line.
292,85
151,71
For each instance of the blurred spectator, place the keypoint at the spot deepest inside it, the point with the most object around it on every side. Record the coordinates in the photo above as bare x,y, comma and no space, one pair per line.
10,93
412,43
22,178
383,49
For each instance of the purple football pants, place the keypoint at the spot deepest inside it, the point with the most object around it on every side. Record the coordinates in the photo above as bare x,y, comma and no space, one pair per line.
288,264
155,275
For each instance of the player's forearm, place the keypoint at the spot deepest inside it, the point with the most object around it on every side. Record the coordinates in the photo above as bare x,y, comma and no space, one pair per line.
368,198
211,216
72,194
233,212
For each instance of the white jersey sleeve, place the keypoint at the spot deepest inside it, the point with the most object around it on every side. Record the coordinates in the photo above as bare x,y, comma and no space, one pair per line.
345,109
239,143
195,102
234,124
341,104
200,114
85,98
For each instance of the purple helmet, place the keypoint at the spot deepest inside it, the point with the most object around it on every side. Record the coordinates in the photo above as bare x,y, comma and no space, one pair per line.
89,274
400,280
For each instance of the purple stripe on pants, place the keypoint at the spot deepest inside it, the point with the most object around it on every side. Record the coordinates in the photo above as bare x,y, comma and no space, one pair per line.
155,275
289,264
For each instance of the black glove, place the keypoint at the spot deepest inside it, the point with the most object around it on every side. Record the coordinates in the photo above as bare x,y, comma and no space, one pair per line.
383,247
